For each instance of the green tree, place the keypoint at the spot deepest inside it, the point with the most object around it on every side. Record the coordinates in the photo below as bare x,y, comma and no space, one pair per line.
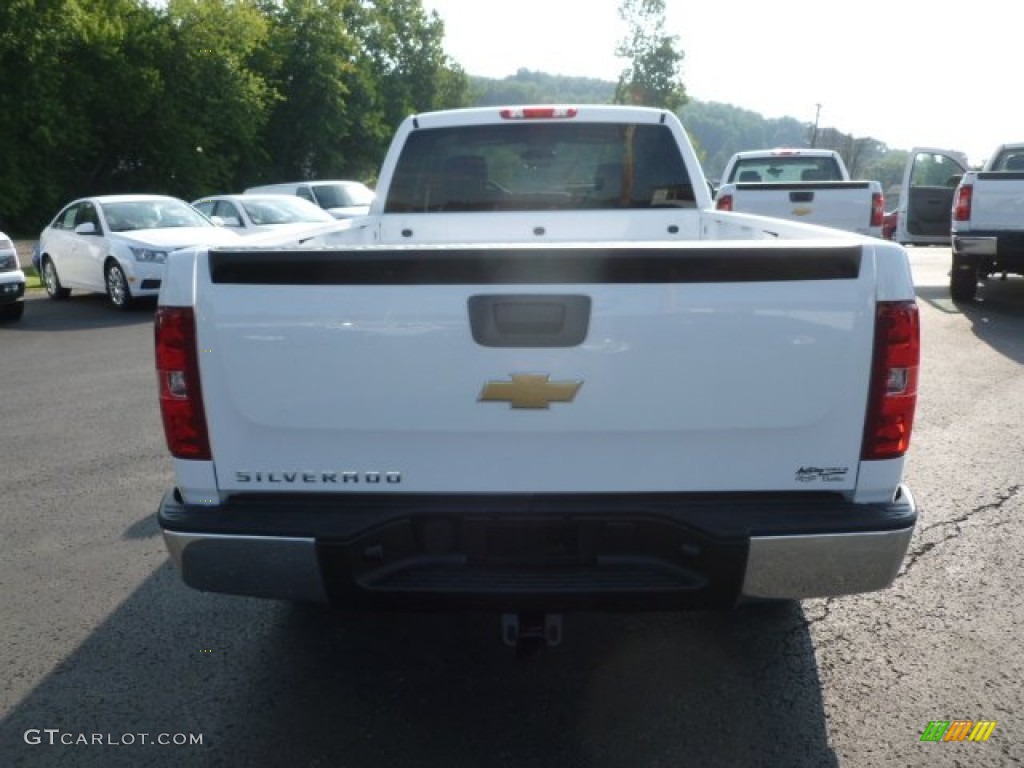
195,96
652,77
313,63
32,127
125,96
74,75
215,102
527,87
402,54
888,168
405,46
348,71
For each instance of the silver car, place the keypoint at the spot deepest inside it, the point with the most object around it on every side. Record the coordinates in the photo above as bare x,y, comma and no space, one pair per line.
256,214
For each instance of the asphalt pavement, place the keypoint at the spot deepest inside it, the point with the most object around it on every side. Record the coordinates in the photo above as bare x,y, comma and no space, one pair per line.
106,653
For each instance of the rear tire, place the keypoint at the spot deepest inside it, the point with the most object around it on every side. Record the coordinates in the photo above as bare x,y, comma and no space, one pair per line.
117,286
53,287
963,280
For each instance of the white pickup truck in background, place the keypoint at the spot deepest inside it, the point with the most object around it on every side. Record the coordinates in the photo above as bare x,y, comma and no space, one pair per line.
809,185
543,374
988,222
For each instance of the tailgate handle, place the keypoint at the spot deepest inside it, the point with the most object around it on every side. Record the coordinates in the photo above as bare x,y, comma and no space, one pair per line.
527,320
801,197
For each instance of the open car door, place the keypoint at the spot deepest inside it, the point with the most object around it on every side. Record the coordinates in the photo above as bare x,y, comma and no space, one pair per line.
926,196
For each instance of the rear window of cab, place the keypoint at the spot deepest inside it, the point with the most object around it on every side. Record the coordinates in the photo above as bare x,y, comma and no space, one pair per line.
539,166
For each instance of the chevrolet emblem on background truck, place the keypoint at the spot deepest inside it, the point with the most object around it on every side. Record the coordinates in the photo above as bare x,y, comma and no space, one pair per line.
530,390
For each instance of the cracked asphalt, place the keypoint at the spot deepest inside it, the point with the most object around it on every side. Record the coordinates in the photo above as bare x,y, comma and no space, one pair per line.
101,639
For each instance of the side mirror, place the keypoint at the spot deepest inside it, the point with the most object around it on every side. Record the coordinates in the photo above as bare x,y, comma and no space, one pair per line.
86,228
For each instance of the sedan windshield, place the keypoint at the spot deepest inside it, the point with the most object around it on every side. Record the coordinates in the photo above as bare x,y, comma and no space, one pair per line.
128,215
283,210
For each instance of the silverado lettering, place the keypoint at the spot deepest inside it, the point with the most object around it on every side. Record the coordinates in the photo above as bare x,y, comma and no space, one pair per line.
348,476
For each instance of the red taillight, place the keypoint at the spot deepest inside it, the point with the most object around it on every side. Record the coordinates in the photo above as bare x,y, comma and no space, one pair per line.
893,395
962,202
536,113
177,368
724,203
877,209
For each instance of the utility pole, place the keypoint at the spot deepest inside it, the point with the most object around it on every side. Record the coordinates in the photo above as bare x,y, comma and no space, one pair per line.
814,132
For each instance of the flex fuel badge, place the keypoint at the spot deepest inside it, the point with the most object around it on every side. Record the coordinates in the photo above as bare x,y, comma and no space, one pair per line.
821,474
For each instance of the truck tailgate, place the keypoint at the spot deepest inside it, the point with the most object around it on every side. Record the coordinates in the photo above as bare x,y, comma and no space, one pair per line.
998,201
655,367
845,205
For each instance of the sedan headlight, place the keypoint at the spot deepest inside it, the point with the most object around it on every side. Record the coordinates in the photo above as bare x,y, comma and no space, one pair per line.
149,255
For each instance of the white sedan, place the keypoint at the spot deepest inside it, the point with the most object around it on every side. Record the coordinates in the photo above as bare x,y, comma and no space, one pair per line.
117,244
252,214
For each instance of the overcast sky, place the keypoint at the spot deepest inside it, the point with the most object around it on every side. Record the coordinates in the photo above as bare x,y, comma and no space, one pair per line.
905,72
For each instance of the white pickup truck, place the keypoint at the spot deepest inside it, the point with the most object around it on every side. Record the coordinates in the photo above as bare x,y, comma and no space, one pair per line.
988,222
810,185
543,374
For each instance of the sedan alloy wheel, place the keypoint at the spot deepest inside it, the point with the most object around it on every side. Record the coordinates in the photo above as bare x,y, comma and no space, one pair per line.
117,287
53,287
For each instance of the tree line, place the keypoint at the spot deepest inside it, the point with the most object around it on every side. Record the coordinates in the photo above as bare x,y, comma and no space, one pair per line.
196,97
717,130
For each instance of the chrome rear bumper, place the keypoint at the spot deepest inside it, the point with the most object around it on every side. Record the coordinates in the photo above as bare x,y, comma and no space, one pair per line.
385,563
797,567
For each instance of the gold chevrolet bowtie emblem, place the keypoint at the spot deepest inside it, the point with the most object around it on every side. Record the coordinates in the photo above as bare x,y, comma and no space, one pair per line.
530,390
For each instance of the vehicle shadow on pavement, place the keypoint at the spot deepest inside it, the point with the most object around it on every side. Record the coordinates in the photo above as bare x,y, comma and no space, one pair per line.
79,312
146,528
266,683
996,316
